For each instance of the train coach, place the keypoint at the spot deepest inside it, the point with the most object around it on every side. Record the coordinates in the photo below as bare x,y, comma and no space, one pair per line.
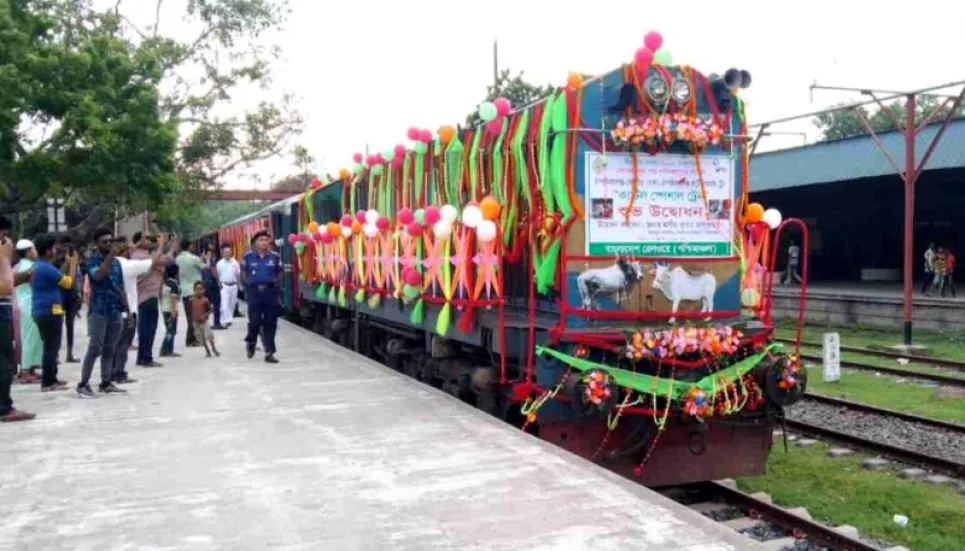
588,268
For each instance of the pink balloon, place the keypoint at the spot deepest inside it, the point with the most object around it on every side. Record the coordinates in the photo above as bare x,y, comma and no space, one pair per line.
382,223
415,229
414,278
357,158
347,220
494,126
400,150
432,215
371,160
503,106
412,133
406,216
292,239
397,162
643,58
326,237
406,271
378,159
425,136
653,40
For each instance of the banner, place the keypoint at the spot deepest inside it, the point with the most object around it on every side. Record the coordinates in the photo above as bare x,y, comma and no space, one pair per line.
669,217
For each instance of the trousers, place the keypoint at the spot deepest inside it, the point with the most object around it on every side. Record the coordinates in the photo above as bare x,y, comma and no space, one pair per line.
105,332
170,331
147,314
264,307
7,362
190,339
51,333
214,295
229,301
119,369
72,305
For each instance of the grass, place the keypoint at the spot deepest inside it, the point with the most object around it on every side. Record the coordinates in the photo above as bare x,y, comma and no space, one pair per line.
883,391
840,491
911,367
946,345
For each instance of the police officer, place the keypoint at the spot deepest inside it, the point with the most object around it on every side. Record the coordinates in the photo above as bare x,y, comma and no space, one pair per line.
261,271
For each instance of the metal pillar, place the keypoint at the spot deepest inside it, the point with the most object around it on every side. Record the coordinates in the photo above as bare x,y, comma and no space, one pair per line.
909,177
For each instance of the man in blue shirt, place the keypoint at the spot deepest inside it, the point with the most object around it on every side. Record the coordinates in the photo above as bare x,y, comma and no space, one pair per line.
8,364
47,287
261,271
108,313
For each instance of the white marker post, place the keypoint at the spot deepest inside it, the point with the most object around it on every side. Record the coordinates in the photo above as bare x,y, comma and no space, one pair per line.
832,357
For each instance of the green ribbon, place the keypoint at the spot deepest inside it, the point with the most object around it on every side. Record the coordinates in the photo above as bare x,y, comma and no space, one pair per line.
474,164
454,171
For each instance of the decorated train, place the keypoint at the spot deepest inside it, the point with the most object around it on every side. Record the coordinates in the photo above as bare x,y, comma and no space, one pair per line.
588,268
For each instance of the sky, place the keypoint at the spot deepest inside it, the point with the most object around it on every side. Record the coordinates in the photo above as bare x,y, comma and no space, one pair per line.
365,71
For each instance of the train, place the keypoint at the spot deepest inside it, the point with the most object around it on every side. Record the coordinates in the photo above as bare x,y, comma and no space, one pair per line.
589,268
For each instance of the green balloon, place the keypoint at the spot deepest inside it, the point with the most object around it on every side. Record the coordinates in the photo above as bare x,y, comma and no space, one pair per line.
487,111
299,247
420,217
411,291
376,170
420,147
388,155
663,57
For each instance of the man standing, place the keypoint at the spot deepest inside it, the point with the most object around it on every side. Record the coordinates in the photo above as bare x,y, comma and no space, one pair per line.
7,360
793,260
212,287
261,271
950,261
929,268
190,268
148,297
229,276
108,310
47,306
132,271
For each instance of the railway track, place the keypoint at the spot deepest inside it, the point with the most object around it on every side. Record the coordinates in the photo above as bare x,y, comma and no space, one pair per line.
858,406
937,362
940,379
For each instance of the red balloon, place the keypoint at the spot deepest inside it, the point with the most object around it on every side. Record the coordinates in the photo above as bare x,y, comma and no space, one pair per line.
415,229
400,150
432,215
494,126
292,239
347,220
503,106
653,40
396,162
315,183
414,278
406,216
425,136
406,271
357,157
643,58
360,216
412,133
382,223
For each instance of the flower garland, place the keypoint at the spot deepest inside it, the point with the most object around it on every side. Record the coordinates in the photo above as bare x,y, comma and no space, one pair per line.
683,341
596,388
790,373
656,133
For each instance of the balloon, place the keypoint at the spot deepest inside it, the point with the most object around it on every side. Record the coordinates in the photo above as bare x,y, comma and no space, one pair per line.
503,106
400,150
749,298
396,162
425,136
449,213
754,213
357,169
356,227
420,216
406,271
372,216
326,238
315,183
346,232
360,216
299,247
313,227
371,160
643,58
379,159
370,230
494,126
344,174
412,133
574,81
653,40
292,239
420,147
486,231
472,216
773,218
413,278
490,208
333,229
487,111
415,229
411,291
432,215
382,223
377,170
357,158
388,155
447,133
442,229
663,57
405,216
347,220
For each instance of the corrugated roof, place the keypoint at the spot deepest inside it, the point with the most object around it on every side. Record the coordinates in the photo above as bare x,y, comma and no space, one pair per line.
853,158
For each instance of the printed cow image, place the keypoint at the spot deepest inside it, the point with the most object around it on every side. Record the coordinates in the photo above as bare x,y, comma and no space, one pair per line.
676,284
617,280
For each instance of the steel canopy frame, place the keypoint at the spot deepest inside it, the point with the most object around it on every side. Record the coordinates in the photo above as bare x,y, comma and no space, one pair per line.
911,171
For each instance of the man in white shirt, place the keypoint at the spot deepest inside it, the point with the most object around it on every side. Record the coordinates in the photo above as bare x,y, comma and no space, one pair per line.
131,270
229,277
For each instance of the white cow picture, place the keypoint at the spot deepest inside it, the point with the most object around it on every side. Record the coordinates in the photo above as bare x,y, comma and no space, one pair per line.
676,284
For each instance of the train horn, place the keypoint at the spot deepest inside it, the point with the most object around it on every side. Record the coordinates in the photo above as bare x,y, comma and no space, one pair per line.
745,79
732,78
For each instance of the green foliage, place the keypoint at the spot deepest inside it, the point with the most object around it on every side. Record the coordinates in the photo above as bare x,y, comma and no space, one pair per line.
839,125
193,218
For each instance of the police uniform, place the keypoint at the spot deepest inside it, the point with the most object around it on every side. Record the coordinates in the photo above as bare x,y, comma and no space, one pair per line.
263,291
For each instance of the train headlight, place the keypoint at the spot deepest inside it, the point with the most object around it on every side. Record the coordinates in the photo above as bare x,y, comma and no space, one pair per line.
657,89
680,90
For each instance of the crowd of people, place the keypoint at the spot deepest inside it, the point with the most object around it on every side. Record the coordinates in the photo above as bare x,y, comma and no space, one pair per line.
130,288
939,271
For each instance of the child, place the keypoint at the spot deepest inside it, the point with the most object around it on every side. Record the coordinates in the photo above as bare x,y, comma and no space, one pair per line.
170,299
200,310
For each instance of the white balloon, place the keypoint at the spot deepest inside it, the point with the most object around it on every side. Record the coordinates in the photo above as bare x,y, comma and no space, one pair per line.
772,217
346,232
442,229
372,216
449,213
370,230
486,231
472,216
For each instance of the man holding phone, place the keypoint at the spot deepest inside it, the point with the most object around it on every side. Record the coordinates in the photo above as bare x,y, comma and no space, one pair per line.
8,364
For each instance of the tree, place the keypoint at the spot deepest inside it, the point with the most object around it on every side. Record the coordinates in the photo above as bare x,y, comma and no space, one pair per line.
514,88
193,218
838,125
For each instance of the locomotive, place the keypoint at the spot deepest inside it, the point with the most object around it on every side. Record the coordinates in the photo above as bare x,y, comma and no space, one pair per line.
588,268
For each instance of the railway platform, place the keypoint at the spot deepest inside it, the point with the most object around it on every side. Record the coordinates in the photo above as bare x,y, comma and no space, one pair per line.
327,450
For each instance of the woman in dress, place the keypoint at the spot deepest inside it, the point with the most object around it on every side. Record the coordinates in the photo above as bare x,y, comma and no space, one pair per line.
31,347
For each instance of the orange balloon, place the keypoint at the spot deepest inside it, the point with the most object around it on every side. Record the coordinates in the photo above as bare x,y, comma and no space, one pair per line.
334,229
313,227
446,134
575,81
344,174
754,213
490,208
356,227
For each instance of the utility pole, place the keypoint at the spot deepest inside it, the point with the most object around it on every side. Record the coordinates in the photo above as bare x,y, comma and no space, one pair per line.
495,63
